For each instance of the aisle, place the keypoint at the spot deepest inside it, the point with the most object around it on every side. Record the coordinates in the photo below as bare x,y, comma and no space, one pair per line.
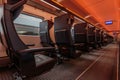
103,69
70,70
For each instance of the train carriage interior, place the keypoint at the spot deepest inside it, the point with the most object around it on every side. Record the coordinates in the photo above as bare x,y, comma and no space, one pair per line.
59,39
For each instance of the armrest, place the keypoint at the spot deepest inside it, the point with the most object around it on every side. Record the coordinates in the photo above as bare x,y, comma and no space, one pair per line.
52,43
36,50
30,44
78,44
80,33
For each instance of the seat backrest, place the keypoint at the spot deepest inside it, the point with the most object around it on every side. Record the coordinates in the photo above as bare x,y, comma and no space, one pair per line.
18,9
91,33
80,28
102,35
105,39
109,38
62,27
91,30
12,1
98,34
80,33
14,42
45,27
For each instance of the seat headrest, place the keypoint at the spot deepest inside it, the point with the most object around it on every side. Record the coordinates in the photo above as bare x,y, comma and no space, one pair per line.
17,12
12,1
16,7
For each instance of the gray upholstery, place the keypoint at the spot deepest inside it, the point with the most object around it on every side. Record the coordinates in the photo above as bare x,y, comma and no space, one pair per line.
98,37
45,27
91,34
62,26
80,33
81,36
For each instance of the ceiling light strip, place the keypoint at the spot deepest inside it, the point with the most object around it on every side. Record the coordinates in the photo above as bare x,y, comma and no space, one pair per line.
50,4
72,12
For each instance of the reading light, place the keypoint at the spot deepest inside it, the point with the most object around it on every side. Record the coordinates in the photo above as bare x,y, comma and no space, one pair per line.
87,16
79,20
50,4
59,0
53,6
97,24
64,11
90,25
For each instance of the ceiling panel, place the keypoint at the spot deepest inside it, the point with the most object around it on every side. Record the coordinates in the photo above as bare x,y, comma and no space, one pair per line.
92,20
74,7
102,10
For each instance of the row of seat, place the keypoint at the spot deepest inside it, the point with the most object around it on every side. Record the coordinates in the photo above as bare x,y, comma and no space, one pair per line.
30,62
71,39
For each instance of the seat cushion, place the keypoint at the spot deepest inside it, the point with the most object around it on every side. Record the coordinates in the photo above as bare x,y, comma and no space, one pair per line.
42,59
43,63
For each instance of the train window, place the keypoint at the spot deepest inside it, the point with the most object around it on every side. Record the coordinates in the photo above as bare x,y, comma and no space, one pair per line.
27,24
